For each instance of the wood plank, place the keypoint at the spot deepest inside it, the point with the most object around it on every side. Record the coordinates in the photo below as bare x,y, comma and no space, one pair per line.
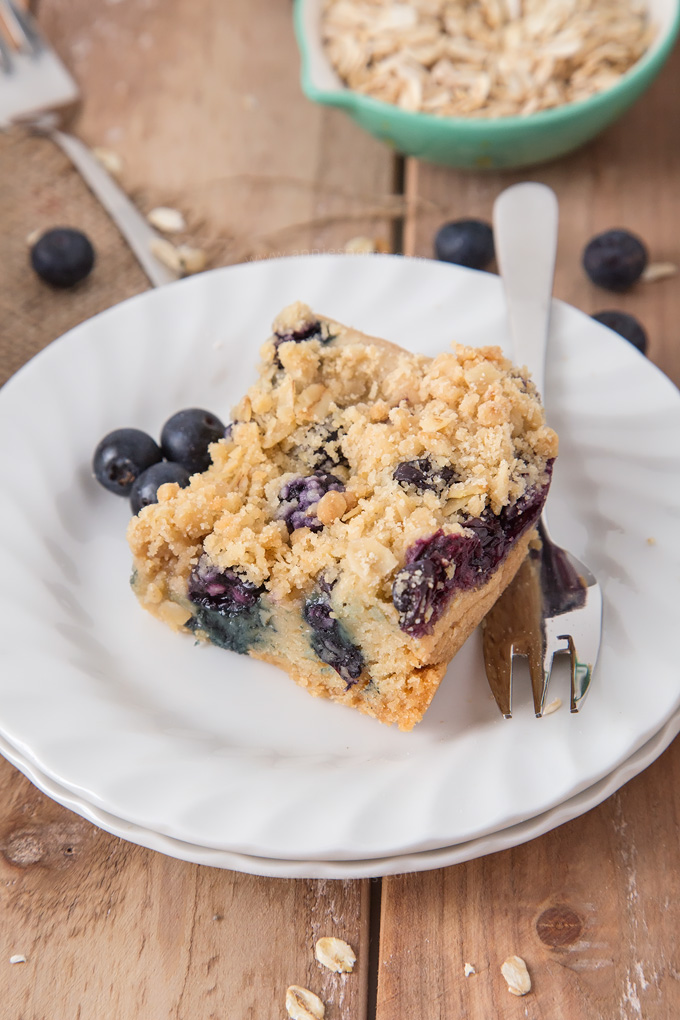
625,178
592,906
202,102
109,929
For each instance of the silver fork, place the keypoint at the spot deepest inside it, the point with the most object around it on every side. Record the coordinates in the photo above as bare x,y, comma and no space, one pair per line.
35,88
555,603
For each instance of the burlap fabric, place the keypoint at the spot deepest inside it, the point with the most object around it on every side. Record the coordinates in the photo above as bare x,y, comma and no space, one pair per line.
40,189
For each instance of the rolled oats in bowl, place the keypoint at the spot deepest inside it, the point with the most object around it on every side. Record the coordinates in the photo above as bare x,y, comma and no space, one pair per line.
484,58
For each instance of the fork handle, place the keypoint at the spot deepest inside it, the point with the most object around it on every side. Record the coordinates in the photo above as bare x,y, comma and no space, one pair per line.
525,220
132,225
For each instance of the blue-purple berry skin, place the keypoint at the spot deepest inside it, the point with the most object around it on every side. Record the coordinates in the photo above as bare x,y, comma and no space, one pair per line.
145,489
226,607
322,448
440,565
63,256
121,457
626,326
187,435
615,259
299,494
223,590
465,243
312,331
331,642
422,476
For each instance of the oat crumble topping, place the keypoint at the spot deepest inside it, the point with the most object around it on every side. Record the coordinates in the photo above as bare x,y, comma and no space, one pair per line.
351,475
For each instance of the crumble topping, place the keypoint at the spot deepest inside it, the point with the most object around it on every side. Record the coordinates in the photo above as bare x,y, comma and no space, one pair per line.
469,408
356,518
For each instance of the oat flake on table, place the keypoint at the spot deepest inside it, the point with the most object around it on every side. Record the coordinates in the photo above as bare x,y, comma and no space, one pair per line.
476,58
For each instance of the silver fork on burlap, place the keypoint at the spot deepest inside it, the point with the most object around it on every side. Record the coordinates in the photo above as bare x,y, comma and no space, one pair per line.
36,89
554,604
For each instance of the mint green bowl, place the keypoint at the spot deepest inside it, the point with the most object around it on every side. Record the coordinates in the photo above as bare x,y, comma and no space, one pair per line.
476,142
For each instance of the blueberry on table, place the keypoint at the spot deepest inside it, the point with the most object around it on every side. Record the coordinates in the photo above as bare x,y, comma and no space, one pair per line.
62,256
626,326
465,243
121,456
186,436
145,489
615,259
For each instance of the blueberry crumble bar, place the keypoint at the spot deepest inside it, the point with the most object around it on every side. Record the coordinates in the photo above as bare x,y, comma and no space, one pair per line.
364,510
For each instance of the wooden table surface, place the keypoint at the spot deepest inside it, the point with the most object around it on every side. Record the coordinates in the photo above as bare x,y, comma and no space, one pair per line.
200,98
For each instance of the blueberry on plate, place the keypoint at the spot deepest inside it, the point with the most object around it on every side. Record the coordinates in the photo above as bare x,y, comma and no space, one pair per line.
421,475
615,259
121,456
145,489
626,326
331,642
186,436
301,493
465,243
62,256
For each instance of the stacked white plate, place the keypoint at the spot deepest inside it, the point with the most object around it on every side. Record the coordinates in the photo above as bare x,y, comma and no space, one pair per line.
217,758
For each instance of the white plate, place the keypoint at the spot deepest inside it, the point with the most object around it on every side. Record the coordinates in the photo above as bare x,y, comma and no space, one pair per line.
221,751
425,860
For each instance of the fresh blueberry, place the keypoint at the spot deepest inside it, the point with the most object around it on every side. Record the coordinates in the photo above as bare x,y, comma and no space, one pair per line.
437,566
299,494
186,436
615,259
121,456
626,325
62,257
331,642
421,475
145,489
466,243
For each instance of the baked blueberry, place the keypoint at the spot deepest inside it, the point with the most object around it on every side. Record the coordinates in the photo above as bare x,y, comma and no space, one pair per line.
437,566
186,436
331,641
299,494
626,326
121,457
145,489
62,256
223,590
321,449
226,607
312,331
465,243
421,475
615,259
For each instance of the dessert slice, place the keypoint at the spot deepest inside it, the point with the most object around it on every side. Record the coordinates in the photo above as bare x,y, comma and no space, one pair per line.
365,509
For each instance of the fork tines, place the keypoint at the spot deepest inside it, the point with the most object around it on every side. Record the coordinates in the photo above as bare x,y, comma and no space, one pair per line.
18,34
527,621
